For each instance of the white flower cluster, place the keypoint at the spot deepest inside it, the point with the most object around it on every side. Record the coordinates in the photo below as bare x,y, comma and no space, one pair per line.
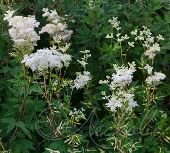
148,68
118,99
77,114
155,79
122,38
45,58
115,23
84,59
148,41
119,95
81,80
22,31
56,28
123,75
151,48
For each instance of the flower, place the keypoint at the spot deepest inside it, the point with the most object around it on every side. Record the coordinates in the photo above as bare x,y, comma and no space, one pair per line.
22,32
123,75
131,44
9,15
109,36
155,79
134,32
77,114
114,102
159,37
84,58
45,58
151,50
81,80
56,28
115,23
148,68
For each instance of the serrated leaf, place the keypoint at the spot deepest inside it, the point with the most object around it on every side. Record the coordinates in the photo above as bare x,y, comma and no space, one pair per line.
35,88
5,69
15,92
39,106
15,81
6,106
10,127
57,145
28,144
18,148
27,132
8,120
15,99
87,20
23,127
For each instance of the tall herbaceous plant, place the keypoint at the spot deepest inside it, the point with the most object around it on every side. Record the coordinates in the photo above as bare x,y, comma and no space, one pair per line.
126,93
44,74
94,86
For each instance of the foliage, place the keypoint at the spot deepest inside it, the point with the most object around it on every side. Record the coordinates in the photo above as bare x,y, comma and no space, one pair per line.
96,99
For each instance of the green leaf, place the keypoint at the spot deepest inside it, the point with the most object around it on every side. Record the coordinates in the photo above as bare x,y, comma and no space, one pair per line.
15,99
15,81
15,92
18,148
6,106
28,144
5,69
66,99
22,146
35,88
87,20
23,127
8,120
57,145
10,127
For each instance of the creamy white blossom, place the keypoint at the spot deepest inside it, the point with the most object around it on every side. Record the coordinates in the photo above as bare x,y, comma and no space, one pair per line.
45,58
119,96
123,75
148,68
57,28
23,31
159,37
134,32
115,23
77,114
148,42
114,102
85,57
109,36
9,14
81,80
83,63
156,78
151,50
52,151
131,44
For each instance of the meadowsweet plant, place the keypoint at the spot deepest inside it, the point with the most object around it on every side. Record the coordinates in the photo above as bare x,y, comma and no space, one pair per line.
51,63
122,97
84,76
